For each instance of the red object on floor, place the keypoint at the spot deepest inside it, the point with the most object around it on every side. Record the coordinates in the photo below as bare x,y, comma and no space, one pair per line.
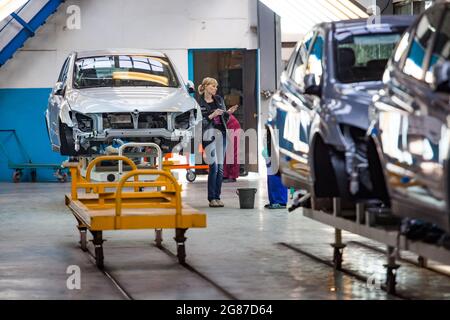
231,171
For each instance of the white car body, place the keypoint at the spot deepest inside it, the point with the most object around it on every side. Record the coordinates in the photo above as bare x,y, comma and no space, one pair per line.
82,120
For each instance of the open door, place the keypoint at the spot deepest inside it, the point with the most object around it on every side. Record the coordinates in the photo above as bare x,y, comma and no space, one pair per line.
236,72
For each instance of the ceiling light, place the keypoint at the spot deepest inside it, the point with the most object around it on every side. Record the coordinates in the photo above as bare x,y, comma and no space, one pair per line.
9,6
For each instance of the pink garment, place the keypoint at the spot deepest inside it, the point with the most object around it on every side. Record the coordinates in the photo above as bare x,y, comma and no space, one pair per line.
216,120
231,171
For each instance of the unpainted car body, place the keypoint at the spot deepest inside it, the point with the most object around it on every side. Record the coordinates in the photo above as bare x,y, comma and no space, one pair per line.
318,118
126,94
410,121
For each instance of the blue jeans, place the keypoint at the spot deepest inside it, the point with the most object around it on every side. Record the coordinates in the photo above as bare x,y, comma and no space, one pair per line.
215,174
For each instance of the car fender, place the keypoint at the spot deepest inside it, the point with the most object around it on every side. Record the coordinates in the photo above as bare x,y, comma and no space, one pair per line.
329,131
312,142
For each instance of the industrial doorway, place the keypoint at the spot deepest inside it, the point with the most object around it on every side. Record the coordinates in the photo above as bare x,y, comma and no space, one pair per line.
236,72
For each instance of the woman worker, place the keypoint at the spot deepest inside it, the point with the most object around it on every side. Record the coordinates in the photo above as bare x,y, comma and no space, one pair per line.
215,116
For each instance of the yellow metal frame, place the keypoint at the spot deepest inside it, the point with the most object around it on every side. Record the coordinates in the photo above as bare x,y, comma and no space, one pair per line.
101,208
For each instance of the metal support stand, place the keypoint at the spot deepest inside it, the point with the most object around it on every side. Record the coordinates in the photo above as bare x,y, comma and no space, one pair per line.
180,239
158,238
338,249
423,262
391,270
360,213
98,245
337,245
337,207
83,237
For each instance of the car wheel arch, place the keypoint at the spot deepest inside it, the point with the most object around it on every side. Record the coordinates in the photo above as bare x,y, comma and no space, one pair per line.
377,165
325,184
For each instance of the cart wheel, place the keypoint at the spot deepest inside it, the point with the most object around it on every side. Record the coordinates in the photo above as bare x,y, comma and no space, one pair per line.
62,177
190,176
17,175
33,175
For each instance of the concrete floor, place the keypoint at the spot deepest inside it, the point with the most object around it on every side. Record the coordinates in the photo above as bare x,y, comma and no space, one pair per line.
240,252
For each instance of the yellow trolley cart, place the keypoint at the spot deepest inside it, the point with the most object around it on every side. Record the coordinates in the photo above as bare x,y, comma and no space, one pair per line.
124,205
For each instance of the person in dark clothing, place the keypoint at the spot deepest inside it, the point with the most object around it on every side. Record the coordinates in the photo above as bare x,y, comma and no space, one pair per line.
215,118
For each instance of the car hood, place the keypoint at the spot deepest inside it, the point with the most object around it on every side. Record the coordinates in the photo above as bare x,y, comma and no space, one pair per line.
350,103
128,99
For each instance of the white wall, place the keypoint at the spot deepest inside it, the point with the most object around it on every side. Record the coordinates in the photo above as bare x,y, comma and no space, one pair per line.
172,26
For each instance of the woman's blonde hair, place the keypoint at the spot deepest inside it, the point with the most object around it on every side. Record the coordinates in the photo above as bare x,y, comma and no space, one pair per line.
206,82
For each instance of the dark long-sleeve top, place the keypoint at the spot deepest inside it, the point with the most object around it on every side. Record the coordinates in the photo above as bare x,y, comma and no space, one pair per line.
208,109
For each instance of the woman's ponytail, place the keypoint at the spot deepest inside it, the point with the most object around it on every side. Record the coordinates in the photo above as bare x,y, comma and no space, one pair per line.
201,89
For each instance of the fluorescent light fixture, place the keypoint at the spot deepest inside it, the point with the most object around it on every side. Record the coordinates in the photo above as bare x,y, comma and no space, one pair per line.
318,12
335,9
299,16
353,9
9,6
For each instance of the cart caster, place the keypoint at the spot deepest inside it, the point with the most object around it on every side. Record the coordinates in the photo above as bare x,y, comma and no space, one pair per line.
83,238
60,175
99,257
158,238
83,241
181,253
391,274
17,175
180,240
190,176
33,175
422,262
98,244
337,256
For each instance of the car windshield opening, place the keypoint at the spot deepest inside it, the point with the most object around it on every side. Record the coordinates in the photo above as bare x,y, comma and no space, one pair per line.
362,58
123,71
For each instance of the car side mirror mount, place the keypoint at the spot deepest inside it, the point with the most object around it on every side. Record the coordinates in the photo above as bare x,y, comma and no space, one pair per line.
441,77
311,86
59,89
190,87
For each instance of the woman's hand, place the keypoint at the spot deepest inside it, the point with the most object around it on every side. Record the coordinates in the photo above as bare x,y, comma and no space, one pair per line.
217,112
233,109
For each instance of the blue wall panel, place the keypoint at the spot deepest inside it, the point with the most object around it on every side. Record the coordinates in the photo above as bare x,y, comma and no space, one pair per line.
23,110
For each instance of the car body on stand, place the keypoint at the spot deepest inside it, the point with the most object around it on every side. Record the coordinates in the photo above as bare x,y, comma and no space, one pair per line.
318,119
410,122
121,94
